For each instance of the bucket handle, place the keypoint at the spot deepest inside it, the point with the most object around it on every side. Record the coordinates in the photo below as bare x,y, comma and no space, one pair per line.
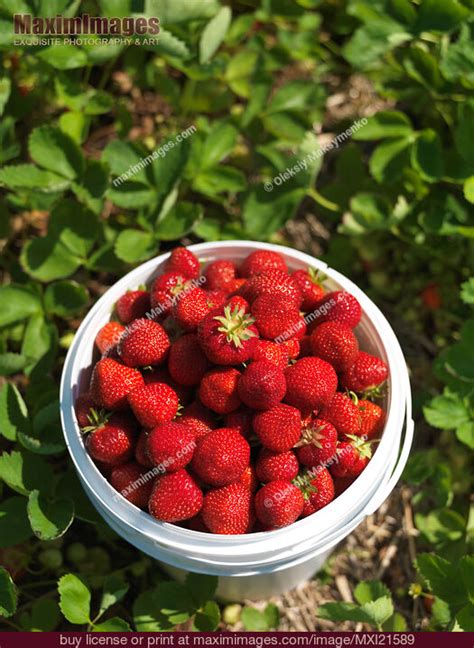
402,459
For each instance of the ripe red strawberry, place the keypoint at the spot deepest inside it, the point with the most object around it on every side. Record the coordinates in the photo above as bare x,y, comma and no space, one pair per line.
277,354
165,290
241,420
183,261
275,318
343,414
228,337
187,363
83,406
175,497
134,304
218,390
153,404
238,302
320,443
111,382
293,347
249,479
274,282
278,428
262,261
310,287
161,375
144,342
335,343
372,419
278,504
190,308
228,510
108,336
133,483
272,466
262,385
234,286
311,382
221,457
198,419
366,373
338,306
219,274
113,443
319,493
431,298
141,451
353,456
216,298
170,446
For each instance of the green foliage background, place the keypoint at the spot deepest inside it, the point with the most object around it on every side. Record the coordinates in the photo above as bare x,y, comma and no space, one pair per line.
254,78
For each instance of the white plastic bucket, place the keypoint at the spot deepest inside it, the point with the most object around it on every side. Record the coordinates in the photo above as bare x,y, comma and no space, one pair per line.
260,564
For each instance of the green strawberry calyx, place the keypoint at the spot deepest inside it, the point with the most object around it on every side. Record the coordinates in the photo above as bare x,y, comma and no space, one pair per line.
363,447
97,418
235,324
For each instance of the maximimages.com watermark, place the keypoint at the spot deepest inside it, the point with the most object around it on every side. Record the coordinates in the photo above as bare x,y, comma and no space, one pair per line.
309,159
84,30
159,152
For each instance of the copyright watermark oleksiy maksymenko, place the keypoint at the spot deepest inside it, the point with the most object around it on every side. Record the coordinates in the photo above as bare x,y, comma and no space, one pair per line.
159,152
302,163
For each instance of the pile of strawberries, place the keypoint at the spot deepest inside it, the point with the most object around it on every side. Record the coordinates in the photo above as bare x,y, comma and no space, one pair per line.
233,401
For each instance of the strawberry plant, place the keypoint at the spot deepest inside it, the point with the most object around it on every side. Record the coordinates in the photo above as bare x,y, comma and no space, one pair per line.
234,125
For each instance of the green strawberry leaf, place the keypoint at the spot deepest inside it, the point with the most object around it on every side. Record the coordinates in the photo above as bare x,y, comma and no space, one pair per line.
65,298
18,303
367,591
135,245
63,57
253,620
146,616
202,587
178,222
467,291
427,155
49,518
115,624
55,151
28,176
74,599
14,525
207,618
213,34
114,590
384,124
447,411
8,594
12,363
444,578
13,412
24,472
45,616
46,436
272,615
47,259
5,89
